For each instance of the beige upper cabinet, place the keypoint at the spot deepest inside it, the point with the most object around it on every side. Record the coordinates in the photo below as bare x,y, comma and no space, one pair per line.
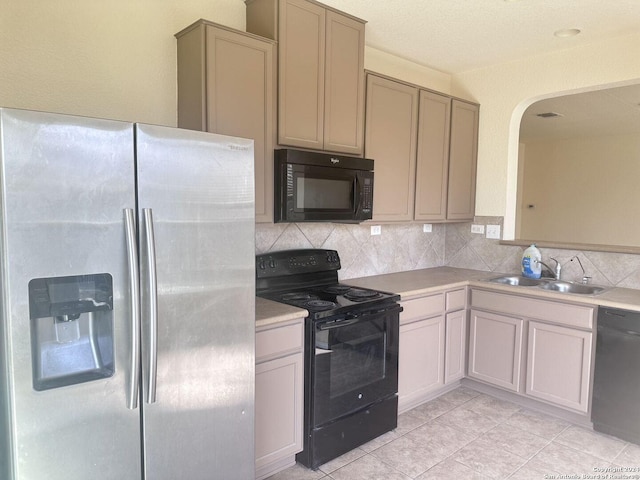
390,140
463,154
424,146
321,73
447,154
226,85
344,85
432,169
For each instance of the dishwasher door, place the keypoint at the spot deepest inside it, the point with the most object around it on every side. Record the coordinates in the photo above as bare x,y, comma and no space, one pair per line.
616,386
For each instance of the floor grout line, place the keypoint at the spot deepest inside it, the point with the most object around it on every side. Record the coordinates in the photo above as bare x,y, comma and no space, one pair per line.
531,463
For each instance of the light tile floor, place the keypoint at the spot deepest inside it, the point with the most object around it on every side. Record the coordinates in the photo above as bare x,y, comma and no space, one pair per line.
464,434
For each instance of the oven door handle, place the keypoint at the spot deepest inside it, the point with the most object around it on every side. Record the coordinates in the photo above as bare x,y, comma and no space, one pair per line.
339,323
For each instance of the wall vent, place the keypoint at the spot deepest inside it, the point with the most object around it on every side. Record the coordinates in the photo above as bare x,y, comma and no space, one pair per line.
548,115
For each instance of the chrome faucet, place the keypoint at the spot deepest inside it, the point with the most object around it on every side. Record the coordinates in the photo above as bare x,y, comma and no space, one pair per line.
555,272
585,277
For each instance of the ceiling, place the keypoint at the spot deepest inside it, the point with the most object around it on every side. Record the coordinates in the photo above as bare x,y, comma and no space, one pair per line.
612,111
455,36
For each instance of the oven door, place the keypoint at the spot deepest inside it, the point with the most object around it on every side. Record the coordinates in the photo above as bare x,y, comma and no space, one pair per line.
355,363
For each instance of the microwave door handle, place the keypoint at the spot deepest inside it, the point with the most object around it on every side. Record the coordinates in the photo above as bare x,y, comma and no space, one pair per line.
356,194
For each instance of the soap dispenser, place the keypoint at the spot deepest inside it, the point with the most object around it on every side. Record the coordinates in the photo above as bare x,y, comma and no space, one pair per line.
531,266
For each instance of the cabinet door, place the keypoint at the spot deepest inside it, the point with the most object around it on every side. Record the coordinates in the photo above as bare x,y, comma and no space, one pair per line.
240,90
432,167
226,85
301,50
455,341
390,139
495,349
420,361
559,365
279,393
344,84
463,154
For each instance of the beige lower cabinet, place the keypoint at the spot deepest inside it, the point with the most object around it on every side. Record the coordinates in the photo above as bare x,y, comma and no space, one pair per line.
558,348
421,360
495,349
432,346
558,365
279,396
455,345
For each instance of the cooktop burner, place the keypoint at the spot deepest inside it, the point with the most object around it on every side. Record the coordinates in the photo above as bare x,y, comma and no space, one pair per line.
297,296
337,289
359,294
320,304
309,279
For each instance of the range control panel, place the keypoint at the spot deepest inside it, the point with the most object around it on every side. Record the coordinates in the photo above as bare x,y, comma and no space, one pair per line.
291,262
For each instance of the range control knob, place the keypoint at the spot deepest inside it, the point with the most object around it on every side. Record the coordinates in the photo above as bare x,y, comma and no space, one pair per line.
332,257
272,263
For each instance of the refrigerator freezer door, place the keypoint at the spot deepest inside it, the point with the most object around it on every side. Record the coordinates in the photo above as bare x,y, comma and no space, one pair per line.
199,190
65,183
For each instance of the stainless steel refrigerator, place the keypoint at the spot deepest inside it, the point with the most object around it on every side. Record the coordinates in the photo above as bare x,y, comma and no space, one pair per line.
127,301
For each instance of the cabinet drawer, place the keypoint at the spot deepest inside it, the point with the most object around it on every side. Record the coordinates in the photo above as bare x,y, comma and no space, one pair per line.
580,316
422,308
456,300
279,340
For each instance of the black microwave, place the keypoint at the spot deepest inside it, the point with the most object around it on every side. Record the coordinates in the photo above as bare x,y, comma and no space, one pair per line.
321,187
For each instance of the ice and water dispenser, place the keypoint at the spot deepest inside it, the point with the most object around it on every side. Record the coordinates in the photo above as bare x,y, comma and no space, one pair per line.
72,337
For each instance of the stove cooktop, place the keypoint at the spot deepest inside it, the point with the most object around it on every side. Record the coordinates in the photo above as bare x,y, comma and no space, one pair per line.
326,300
308,278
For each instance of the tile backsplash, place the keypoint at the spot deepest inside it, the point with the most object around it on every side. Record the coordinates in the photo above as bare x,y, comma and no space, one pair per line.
406,247
399,247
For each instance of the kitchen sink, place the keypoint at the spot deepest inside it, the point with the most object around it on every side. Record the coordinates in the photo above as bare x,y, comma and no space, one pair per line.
518,280
549,284
570,287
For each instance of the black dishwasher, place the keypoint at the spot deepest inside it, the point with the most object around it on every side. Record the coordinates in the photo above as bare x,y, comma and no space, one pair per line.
616,385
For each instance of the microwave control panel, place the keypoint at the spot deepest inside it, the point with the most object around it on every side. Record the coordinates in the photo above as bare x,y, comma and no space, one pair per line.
367,195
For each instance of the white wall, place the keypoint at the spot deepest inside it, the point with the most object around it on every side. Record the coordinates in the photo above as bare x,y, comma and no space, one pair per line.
396,67
117,59
565,180
113,59
504,91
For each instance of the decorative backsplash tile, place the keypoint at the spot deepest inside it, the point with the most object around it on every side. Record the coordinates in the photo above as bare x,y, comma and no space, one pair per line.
406,247
399,247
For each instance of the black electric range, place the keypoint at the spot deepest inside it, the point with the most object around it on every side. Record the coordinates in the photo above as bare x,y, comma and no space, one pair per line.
351,350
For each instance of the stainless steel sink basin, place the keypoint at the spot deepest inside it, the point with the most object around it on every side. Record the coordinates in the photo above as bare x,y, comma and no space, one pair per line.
570,287
549,284
518,280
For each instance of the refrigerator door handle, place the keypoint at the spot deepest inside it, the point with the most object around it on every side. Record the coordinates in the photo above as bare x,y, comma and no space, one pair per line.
134,286
152,365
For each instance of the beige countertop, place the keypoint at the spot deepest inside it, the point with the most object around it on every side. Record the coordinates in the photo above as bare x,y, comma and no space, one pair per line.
416,283
268,312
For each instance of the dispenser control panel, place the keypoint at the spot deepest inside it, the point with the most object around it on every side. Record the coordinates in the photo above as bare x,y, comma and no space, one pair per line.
70,296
